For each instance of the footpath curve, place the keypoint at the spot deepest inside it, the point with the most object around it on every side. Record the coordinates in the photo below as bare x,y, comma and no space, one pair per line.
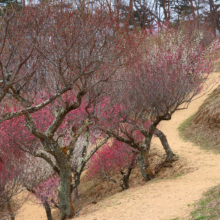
169,198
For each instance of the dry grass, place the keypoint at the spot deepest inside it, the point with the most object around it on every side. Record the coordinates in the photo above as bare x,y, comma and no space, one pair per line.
203,128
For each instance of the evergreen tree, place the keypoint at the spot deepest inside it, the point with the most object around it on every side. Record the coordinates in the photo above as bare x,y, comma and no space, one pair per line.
5,4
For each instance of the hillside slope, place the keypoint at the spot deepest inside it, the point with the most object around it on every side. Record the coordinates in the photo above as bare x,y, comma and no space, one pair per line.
158,199
203,128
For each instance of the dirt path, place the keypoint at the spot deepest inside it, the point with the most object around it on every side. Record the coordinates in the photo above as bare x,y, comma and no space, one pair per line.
166,199
158,199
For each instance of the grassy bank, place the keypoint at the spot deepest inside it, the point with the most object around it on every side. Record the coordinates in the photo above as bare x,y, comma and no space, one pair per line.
209,206
203,128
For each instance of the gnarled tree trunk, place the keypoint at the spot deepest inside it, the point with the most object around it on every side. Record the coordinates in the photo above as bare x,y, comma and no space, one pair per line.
65,186
48,210
165,144
11,214
125,176
65,202
145,166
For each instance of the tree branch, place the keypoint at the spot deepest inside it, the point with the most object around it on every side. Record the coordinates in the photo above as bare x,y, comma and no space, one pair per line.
32,109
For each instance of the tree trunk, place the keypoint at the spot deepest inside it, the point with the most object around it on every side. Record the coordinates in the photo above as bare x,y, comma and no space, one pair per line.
10,211
165,144
193,11
125,178
76,193
48,210
65,188
164,10
145,166
126,181
147,143
65,202
130,12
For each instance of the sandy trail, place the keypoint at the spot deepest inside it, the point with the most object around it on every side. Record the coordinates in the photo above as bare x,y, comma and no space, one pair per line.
158,199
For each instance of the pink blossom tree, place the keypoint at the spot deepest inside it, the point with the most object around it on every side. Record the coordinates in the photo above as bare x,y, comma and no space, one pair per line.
173,69
12,178
43,184
111,159
57,67
60,58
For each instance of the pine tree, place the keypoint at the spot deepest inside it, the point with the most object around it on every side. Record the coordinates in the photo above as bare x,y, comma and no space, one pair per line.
5,4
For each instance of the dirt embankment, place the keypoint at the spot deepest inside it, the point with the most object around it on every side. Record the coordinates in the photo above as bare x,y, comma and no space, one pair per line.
203,128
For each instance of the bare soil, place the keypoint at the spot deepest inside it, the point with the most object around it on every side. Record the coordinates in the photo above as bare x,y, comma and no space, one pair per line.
160,199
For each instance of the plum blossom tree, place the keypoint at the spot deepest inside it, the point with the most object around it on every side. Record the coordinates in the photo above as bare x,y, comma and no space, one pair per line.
12,178
47,193
43,183
48,74
172,70
58,71
42,172
111,159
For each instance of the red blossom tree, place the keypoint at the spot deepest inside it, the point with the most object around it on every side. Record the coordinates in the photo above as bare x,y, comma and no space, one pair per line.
12,178
59,71
111,159
47,191
173,69
42,182
53,80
